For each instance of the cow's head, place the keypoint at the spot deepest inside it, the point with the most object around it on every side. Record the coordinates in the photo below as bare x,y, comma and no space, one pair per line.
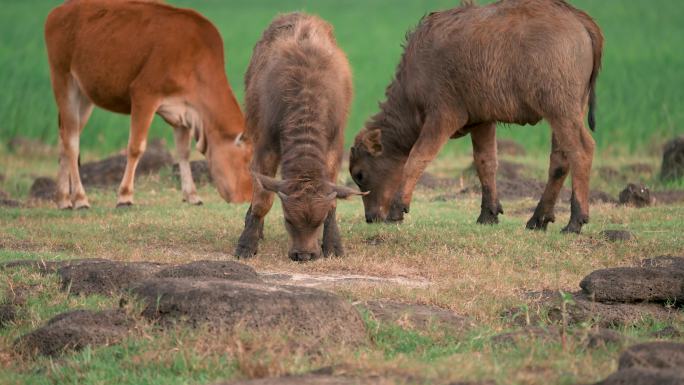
306,205
376,171
228,159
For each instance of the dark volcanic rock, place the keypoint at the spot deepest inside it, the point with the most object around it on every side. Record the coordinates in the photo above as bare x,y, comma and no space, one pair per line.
9,203
617,235
420,317
653,355
8,313
634,284
211,269
665,261
75,330
42,266
105,277
229,304
668,332
603,337
308,379
198,168
43,188
636,195
638,376
109,171
673,160
668,197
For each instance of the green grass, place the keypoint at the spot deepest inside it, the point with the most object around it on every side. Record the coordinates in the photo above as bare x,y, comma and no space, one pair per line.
640,93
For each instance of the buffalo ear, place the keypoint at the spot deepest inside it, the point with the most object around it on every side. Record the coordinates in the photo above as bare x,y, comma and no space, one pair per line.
343,192
373,142
268,183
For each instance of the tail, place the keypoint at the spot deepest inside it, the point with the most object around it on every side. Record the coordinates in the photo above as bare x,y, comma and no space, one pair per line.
596,37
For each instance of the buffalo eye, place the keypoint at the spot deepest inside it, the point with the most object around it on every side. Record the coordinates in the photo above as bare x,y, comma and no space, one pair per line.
358,177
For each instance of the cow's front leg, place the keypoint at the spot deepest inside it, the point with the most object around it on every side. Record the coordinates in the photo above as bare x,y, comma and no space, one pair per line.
436,132
332,244
485,159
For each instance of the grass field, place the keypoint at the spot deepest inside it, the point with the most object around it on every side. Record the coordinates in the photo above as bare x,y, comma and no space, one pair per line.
640,93
475,271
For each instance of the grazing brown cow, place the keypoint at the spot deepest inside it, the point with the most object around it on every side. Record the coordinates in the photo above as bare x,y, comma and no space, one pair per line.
298,92
145,58
463,70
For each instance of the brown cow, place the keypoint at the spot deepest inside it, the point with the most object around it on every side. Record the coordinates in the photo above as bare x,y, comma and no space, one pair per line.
463,70
298,93
142,59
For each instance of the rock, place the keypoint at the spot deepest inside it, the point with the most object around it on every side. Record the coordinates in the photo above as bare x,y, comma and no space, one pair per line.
636,376
198,168
664,261
617,235
211,269
653,355
604,337
105,277
510,147
636,195
526,333
668,197
420,317
309,379
634,284
230,304
75,330
668,332
11,203
44,267
43,188
8,313
110,171
673,160
583,310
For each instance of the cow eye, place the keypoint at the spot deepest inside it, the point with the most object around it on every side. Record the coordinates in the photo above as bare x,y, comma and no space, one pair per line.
358,177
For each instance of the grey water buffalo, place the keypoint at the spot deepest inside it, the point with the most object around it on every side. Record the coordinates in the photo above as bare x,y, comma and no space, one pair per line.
298,93
465,69
142,59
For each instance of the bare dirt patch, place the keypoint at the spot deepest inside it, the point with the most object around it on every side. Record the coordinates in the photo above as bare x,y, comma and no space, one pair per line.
419,317
334,280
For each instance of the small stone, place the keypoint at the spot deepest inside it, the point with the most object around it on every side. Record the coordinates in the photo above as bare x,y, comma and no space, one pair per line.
617,235
653,355
636,195
43,188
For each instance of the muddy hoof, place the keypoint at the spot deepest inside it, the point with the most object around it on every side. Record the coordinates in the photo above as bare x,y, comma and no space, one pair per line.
303,257
122,205
488,218
572,228
245,251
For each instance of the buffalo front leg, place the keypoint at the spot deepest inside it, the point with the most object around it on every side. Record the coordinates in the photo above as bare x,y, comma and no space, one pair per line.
436,131
182,138
485,158
558,171
265,162
142,113
332,243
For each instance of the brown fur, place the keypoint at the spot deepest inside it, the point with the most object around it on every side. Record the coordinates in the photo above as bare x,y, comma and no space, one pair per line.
298,93
142,58
463,70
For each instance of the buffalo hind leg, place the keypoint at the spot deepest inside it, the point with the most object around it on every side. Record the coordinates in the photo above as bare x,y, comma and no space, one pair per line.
264,162
558,171
437,130
578,146
74,111
485,158
142,113
182,139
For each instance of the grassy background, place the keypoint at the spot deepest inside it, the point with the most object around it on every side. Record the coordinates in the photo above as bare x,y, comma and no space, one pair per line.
640,93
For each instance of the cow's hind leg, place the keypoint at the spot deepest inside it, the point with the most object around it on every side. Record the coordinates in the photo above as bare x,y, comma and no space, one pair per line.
182,138
485,158
558,170
575,142
265,161
142,113
74,111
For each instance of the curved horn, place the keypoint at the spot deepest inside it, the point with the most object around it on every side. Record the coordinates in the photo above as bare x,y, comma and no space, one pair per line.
238,139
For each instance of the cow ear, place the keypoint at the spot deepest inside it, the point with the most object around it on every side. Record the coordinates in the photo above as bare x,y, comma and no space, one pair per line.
343,192
268,183
373,142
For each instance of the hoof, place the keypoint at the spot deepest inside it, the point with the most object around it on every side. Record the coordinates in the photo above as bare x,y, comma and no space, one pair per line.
336,250
122,205
572,228
303,257
487,218
193,200
540,222
245,252
81,204
65,206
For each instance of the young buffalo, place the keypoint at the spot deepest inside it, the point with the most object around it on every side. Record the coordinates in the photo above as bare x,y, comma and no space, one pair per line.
144,58
463,70
298,92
